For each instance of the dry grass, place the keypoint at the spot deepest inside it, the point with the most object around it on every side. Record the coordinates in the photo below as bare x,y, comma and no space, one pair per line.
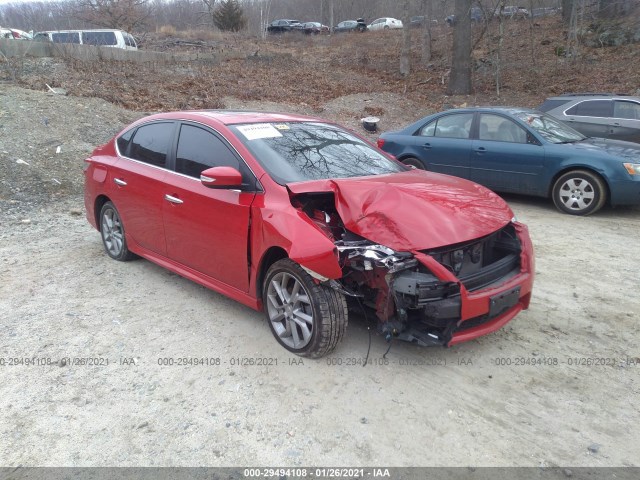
313,70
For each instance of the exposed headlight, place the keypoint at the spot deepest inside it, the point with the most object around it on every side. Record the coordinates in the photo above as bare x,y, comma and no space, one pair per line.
632,168
514,219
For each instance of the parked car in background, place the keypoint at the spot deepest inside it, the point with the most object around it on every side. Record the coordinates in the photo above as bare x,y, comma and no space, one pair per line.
522,151
385,24
98,37
294,216
284,26
598,114
476,13
314,28
511,11
544,11
14,34
351,26
418,21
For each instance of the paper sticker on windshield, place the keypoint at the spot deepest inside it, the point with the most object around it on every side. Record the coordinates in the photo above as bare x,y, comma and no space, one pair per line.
259,130
281,126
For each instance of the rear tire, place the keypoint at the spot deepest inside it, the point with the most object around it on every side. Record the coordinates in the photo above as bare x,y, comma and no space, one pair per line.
579,192
305,318
112,232
414,162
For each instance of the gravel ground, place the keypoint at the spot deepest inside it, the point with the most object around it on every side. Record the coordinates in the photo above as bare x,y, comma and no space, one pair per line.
558,386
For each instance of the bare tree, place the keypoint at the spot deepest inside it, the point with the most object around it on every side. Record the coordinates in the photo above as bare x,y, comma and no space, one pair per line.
210,6
460,78
129,15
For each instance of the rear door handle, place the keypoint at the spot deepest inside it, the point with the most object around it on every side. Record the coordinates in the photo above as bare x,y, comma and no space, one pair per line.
120,182
426,145
171,199
481,150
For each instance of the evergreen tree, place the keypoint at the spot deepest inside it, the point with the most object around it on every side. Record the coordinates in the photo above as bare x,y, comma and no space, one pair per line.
229,16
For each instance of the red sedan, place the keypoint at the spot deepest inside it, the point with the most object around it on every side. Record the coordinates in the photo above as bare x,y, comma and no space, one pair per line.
299,217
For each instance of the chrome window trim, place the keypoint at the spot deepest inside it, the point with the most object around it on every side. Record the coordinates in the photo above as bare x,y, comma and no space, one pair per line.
259,189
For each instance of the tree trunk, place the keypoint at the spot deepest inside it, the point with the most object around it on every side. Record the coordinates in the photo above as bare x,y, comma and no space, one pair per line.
405,53
460,79
427,10
567,6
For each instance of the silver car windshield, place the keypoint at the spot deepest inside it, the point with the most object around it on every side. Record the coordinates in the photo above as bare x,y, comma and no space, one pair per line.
301,151
551,129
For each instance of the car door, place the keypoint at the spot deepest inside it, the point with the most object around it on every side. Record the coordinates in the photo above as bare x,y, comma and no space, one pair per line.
591,117
506,157
207,229
444,144
625,124
138,179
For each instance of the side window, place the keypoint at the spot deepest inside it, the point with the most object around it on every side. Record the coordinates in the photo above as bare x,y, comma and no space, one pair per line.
123,141
151,143
129,40
199,149
501,129
457,125
66,37
99,38
628,110
592,108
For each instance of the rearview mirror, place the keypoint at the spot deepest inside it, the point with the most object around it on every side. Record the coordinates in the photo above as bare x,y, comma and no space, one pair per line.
221,177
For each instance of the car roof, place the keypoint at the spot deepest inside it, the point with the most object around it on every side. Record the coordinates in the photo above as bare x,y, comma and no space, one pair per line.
580,96
232,117
505,110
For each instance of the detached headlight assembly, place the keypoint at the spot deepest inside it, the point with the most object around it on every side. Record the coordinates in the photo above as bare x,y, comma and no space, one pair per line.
632,168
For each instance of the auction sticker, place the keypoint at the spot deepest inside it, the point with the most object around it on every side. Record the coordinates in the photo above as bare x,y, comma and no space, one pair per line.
259,130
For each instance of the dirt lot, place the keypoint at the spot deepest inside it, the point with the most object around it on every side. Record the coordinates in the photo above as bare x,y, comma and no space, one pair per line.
558,386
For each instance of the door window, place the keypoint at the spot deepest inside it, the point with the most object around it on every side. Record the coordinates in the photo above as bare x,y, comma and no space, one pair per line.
501,129
199,149
151,143
591,108
450,126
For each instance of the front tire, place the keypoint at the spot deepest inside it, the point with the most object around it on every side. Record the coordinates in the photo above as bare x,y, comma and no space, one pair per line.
112,232
306,318
579,192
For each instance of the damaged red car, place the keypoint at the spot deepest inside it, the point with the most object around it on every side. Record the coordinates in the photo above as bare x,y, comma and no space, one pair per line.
300,218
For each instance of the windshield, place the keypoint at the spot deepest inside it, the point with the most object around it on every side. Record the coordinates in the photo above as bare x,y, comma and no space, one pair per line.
297,152
551,129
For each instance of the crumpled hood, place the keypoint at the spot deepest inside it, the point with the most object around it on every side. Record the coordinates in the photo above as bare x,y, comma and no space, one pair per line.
414,210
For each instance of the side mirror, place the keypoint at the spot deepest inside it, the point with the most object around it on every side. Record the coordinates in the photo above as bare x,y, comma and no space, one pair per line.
221,177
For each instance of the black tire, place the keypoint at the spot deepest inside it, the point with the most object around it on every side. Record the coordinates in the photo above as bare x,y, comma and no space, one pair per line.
112,233
318,315
414,162
386,27
579,192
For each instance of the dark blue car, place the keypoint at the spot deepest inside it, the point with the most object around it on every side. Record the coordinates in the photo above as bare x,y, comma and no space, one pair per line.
522,151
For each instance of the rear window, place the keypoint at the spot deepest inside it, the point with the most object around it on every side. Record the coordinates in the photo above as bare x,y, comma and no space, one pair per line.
99,38
66,37
129,41
551,104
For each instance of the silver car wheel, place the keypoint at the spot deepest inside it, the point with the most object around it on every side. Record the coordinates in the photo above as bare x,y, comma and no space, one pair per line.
289,310
577,194
112,232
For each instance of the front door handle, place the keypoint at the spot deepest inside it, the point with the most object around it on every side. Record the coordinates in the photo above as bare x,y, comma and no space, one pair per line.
119,182
481,150
172,199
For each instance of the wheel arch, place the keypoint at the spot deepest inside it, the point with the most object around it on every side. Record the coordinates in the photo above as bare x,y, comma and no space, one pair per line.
97,206
586,168
271,256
